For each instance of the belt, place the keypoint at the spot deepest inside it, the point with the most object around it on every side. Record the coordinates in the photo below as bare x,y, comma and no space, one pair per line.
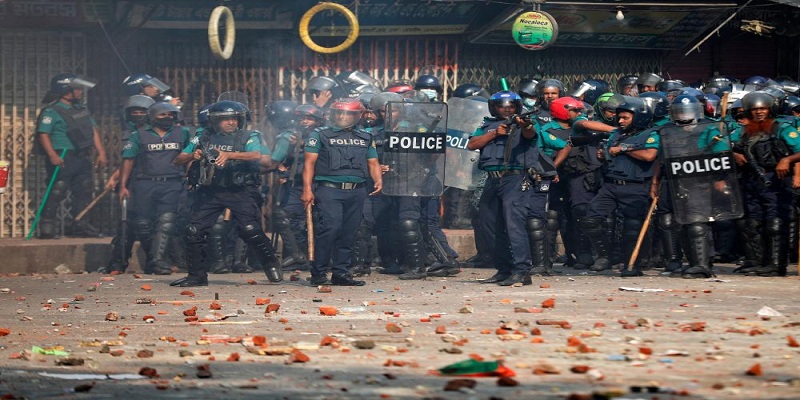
500,174
624,182
342,185
160,178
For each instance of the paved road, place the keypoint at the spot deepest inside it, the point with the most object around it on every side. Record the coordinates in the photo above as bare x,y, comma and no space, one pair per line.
695,339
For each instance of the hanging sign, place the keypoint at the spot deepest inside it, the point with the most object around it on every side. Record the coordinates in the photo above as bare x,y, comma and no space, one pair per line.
535,30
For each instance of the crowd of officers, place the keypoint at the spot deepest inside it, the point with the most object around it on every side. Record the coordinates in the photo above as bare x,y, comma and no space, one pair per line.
585,163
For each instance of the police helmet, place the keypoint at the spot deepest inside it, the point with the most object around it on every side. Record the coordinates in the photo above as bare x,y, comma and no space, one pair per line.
359,78
428,82
711,106
626,81
759,99
776,92
321,83
478,98
348,106
309,110
62,84
607,102
789,86
280,113
690,91
399,87
670,84
790,103
527,87
226,109
590,89
757,81
139,101
560,107
657,102
465,90
379,101
503,98
160,108
550,83
685,109
642,116
365,89
365,99
718,85
136,83
202,115
648,79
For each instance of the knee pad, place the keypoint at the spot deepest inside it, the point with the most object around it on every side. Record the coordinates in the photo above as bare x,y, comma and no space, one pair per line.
552,220
59,191
192,234
536,229
252,233
142,227
281,219
166,222
665,221
696,230
409,231
749,227
774,226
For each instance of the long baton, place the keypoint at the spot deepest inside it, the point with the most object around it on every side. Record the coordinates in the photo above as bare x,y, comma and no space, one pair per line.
310,227
642,233
92,204
46,195
124,234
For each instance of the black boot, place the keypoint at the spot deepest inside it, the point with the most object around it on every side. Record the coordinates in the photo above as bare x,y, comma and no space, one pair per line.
670,243
597,232
360,264
630,234
161,241
262,250
240,265
777,250
750,232
499,276
698,252
345,280
216,248
411,237
198,269
537,241
519,278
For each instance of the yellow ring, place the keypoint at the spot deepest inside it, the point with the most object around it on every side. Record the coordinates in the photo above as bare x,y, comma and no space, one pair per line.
213,33
305,36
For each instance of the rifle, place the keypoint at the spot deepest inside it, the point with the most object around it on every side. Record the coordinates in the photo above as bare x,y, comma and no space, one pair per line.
510,122
592,138
201,172
751,161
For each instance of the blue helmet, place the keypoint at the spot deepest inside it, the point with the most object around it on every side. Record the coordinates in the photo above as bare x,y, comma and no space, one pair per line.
642,116
657,102
136,83
685,109
504,97
226,109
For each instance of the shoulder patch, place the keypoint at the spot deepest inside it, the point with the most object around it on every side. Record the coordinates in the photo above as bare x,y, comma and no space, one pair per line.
553,137
312,142
196,140
251,140
128,146
651,140
793,134
47,120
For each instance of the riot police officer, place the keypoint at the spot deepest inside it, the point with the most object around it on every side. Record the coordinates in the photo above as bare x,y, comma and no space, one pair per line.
629,157
548,90
337,160
149,86
289,215
626,85
767,150
511,206
231,157
648,82
156,186
135,113
429,85
66,134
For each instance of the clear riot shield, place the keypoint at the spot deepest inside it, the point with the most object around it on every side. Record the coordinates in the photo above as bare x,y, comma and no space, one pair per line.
414,148
234,95
463,117
701,173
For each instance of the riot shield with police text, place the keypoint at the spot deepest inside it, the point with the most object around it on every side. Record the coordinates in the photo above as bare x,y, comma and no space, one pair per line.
701,172
464,116
414,148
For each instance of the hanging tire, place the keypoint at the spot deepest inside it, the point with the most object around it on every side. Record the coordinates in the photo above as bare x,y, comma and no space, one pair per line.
213,33
305,35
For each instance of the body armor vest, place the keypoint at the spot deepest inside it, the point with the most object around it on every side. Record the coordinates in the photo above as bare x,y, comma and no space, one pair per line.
235,173
156,154
628,168
80,130
524,153
343,153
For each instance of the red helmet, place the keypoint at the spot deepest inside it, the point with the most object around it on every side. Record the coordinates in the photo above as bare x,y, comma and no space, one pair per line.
559,108
346,104
399,87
